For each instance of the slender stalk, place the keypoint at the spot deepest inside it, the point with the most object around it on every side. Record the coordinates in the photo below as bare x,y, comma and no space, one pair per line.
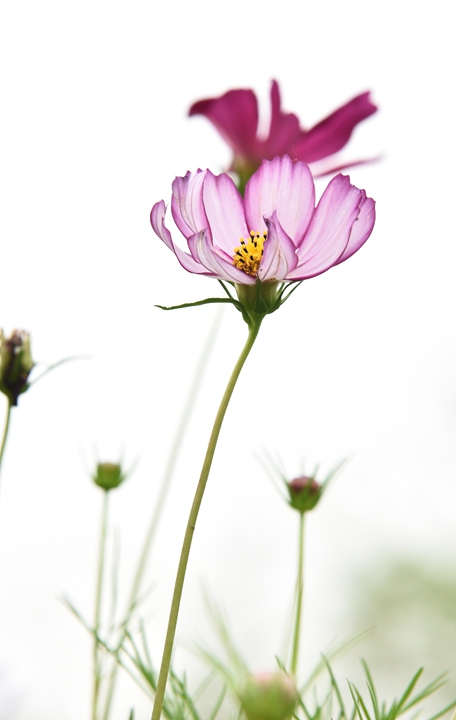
97,617
174,452
163,493
299,594
5,432
185,552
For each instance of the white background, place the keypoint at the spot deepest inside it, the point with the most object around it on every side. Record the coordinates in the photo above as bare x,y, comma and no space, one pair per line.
360,362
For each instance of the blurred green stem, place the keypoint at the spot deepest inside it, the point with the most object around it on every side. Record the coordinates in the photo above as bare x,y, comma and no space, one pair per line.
5,432
185,552
164,489
97,617
298,603
174,452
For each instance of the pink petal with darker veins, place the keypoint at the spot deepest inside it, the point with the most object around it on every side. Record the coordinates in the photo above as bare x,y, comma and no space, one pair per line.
213,260
157,220
285,187
332,133
279,257
329,166
235,115
224,208
361,230
329,231
187,203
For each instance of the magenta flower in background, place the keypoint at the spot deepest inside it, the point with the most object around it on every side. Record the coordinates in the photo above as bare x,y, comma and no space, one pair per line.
235,115
273,233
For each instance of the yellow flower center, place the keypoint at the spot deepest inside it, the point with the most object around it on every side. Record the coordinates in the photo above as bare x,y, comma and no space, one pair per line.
247,256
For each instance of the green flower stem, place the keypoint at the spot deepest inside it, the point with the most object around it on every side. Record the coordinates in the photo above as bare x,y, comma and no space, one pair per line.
5,432
299,594
164,489
97,617
185,552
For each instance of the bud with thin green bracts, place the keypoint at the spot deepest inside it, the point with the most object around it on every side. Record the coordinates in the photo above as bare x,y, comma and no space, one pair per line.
304,493
268,696
259,300
108,475
16,364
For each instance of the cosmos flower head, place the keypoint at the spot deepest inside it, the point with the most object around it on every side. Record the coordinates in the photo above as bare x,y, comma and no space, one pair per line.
274,234
235,115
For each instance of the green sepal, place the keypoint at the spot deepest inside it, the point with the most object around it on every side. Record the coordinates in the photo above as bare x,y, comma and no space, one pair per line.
254,301
263,298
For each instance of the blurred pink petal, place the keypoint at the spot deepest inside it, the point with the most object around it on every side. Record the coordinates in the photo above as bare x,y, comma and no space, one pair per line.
332,133
283,129
235,115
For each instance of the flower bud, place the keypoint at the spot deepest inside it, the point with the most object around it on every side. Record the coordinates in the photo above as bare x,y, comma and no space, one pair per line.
304,492
15,364
268,696
108,475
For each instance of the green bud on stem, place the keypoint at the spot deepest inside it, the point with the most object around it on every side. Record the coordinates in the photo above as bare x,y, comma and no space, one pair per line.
108,475
304,492
16,364
269,696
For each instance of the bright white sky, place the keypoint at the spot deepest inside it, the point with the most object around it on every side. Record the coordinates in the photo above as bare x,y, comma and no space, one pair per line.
360,362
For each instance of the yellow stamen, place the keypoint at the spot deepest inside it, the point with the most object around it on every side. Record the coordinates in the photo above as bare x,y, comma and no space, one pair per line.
247,256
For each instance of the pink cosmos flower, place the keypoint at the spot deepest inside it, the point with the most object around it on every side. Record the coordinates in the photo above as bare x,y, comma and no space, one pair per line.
235,115
273,233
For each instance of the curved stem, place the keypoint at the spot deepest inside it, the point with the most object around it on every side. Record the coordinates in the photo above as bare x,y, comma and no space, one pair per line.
299,594
97,617
185,552
5,432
